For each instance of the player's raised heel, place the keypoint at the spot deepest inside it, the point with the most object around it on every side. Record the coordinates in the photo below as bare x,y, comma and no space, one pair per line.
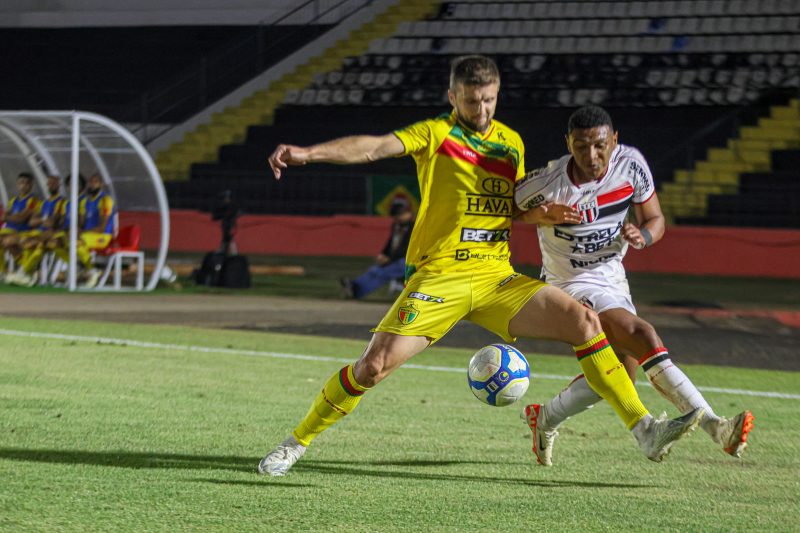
732,433
657,435
282,458
542,440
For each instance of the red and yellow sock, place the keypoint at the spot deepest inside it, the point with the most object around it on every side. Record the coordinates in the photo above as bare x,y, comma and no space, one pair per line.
339,396
607,376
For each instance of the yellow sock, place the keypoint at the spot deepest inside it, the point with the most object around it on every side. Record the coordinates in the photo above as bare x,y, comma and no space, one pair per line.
31,259
338,397
62,253
84,256
607,376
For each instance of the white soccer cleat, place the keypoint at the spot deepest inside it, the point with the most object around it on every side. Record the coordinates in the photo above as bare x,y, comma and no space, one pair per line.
542,440
282,458
732,433
92,277
658,435
25,280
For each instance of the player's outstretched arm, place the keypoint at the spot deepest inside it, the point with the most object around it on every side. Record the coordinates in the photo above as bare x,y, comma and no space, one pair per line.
343,151
550,214
651,224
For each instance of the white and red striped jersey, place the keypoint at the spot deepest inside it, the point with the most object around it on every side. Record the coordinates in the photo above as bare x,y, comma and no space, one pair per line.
595,247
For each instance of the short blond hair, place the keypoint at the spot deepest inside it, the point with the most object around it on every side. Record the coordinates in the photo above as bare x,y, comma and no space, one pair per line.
473,70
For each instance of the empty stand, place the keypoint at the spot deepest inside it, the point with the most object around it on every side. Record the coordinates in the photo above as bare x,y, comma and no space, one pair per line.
665,70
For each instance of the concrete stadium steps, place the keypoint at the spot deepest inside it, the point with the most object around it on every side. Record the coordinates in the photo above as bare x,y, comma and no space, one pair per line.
230,126
755,152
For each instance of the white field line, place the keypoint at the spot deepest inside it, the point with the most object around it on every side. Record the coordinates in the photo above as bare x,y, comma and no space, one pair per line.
302,357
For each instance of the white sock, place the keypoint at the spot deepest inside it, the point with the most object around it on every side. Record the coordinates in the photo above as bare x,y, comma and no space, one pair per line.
676,387
638,431
575,399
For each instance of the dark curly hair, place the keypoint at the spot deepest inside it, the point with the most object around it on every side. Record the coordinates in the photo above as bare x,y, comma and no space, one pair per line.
587,117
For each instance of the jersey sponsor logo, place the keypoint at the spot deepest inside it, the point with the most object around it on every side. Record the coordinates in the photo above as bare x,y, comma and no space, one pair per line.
636,171
464,255
407,313
508,279
426,297
488,206
533,202
586,302
575,263
591,242
496,186
484,235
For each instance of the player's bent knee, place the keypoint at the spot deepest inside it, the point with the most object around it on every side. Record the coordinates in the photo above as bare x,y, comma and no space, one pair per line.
588,323
370,369
644,331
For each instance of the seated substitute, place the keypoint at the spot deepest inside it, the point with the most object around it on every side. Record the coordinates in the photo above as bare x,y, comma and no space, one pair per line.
99,225
390,264
16,221
45,222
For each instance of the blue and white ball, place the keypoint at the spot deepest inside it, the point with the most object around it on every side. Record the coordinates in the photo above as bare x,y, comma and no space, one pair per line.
498,374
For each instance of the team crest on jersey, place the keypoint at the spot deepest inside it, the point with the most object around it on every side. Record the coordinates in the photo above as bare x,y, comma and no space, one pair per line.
407,313
589,211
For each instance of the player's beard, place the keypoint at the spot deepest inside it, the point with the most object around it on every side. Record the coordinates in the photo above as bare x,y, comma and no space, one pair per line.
472,125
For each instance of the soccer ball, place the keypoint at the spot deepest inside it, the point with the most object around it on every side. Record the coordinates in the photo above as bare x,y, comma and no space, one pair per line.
498,374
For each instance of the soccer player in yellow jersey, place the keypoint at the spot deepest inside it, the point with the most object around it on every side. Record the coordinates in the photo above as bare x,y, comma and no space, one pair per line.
457,265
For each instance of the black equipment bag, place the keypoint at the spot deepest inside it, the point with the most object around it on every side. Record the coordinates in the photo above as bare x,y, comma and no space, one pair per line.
210,271
236,272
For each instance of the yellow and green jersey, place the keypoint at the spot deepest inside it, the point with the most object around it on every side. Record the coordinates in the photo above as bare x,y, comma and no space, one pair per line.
466,181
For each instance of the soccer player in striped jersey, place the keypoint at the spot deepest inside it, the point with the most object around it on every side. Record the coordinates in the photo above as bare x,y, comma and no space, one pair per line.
457,264
16,220
580,203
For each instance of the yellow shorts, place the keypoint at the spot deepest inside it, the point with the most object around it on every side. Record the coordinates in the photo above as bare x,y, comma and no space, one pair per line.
95,240
433,302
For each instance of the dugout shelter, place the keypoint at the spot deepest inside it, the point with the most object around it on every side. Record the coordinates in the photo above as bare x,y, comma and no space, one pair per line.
68,143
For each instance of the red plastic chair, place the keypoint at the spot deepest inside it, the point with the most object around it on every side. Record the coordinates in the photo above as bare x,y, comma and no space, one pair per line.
124,246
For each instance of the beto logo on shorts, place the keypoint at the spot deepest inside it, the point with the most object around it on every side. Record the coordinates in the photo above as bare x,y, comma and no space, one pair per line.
407,313
426,297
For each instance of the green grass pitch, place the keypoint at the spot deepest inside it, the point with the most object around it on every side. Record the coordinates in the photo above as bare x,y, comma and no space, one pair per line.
151,435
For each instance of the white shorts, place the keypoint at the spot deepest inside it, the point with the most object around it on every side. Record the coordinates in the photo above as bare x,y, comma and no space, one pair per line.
599,296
